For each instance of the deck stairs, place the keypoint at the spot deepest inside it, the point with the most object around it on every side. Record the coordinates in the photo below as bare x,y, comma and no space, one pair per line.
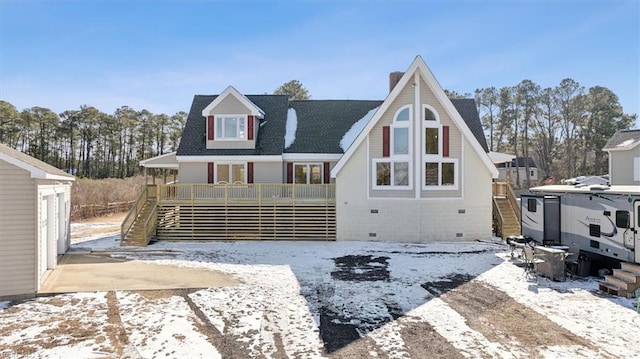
623,282
137,235
510,222
506,211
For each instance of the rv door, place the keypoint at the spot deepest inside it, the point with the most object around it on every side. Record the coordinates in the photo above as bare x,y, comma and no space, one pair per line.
636,229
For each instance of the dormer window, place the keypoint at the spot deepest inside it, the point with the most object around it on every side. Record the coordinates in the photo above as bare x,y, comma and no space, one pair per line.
231,127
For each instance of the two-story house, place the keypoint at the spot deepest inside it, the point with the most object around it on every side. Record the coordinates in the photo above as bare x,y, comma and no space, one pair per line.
413,167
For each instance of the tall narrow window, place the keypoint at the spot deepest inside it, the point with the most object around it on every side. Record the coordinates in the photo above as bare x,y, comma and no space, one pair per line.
431,141
401,141
383,174
394,170
440,171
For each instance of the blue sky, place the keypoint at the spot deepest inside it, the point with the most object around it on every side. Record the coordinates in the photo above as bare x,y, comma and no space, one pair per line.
157,55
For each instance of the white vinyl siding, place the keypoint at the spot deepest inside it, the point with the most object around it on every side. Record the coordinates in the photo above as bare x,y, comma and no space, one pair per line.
267,172
230,104
625,167
18,234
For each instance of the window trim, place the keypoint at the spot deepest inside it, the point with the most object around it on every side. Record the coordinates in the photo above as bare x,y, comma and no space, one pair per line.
435,158
431,124
218,135
401,124
308,166
229,164
374,174
440,187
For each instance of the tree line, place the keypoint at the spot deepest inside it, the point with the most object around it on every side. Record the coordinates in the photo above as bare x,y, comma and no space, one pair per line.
563,128
88,142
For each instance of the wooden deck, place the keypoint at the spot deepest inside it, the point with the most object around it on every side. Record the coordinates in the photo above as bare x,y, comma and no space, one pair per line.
244,211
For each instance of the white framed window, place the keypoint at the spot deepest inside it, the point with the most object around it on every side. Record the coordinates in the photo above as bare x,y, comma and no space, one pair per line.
401,133
231,127
432,131
231,173
307,173
439,172
391,174
394,172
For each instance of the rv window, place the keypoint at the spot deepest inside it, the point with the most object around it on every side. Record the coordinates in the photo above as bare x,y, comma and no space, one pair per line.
531,205
622,219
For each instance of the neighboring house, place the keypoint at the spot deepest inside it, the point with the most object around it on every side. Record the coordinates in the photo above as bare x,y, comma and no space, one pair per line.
34,221
413,167
624,157
510,168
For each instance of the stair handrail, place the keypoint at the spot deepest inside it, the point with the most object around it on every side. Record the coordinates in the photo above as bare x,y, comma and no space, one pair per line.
150,229
131,216
497,214
511,197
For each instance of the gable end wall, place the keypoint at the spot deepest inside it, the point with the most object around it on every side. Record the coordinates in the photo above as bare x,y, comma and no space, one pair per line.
621,166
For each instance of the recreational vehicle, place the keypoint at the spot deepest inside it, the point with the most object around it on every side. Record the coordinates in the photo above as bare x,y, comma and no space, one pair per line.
593,221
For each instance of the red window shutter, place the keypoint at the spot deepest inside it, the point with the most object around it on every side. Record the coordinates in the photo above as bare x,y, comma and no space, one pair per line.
210,172
327,172
249,172
445,141
250,127
210,124
385,141
289,172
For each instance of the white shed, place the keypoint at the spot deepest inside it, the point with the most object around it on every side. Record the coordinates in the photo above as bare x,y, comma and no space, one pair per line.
34,221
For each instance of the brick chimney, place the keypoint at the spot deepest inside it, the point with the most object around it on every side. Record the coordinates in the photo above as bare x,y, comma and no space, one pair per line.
394,78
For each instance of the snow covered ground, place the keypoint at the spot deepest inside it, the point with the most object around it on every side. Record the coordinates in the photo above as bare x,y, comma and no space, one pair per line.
329,299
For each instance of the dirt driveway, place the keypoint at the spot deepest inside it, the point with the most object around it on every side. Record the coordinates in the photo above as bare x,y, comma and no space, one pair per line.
328,300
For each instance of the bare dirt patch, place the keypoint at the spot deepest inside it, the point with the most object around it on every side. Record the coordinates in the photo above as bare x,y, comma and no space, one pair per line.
358,349
503,320
422,341
115,330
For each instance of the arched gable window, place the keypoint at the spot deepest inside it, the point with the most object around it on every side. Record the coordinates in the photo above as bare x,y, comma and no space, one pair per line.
440,171
393,171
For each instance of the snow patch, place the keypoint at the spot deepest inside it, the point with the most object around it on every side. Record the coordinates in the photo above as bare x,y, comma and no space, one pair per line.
354,131
292,126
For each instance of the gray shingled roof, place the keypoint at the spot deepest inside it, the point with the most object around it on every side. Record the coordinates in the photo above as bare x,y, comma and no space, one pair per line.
622,136
270,140
34,162
518,162
467,109
321,125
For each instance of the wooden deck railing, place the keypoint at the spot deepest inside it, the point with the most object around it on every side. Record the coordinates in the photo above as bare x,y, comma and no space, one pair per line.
250,193
148,191
503,189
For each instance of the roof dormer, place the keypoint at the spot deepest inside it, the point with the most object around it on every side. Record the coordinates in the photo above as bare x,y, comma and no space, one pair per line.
232,120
